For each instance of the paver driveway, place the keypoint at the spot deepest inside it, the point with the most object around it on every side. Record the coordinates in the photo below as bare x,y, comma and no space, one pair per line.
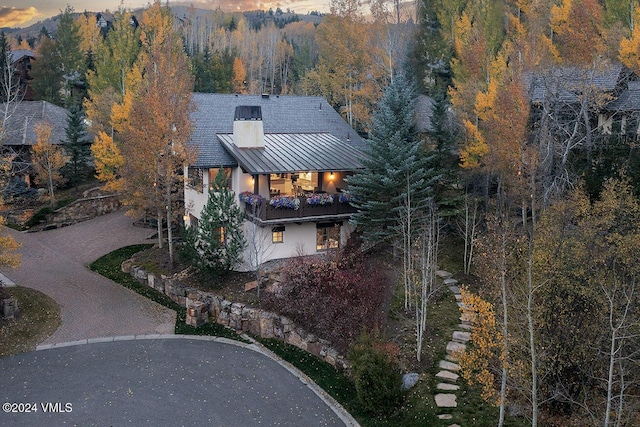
54,262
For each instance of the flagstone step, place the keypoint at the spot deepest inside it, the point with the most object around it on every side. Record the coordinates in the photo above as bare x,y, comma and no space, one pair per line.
464,326
448,376
454,289
443,274
450,282
447,387
445,416
455,347
461,337
446,400
449,366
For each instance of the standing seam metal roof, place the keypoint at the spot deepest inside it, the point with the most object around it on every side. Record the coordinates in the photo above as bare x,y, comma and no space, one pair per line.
295,152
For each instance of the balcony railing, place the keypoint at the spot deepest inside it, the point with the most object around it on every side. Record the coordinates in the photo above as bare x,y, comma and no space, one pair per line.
266,212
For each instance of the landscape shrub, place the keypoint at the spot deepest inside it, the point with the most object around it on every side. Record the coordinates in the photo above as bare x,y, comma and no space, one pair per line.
38,217
333,296
376,374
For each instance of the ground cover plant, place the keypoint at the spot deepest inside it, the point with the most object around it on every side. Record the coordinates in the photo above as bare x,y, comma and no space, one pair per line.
39,318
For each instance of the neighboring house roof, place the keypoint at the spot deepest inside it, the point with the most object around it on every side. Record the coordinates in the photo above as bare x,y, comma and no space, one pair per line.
20,127
566,84
18,54
214,115
283,153
629,100
424,113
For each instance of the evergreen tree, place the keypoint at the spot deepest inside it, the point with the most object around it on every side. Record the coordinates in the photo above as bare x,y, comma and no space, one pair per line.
46,72
397,172
70,56
75,146
217,244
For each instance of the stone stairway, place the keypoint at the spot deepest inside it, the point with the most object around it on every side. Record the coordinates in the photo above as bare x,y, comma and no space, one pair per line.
448,376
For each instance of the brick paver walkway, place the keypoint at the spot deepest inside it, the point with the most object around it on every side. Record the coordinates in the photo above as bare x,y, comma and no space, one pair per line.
54,262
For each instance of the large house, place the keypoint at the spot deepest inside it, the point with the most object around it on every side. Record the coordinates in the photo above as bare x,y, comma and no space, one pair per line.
287,158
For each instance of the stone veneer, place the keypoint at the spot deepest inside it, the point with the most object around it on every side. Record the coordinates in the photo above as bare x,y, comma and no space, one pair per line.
85,209
239,316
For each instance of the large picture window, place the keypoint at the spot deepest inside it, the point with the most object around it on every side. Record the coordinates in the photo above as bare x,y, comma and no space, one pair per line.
327,236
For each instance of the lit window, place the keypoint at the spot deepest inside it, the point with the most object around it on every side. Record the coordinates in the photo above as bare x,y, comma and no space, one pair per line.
327,236
223,237
212,176
195,178
277,234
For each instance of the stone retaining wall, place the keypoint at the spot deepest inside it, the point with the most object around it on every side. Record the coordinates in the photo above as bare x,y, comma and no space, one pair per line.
241,317
85,209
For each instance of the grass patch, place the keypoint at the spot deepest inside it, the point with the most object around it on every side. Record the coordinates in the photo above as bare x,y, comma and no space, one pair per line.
39,318
109,266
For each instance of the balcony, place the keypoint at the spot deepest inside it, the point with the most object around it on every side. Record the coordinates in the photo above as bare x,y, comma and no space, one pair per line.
305,212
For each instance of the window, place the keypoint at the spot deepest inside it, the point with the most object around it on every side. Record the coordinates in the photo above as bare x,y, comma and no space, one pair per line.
223,235
327,236
212,176
277,234
194,178
193,221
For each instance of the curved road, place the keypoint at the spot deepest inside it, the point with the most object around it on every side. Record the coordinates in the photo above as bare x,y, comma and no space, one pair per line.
54,262
157,382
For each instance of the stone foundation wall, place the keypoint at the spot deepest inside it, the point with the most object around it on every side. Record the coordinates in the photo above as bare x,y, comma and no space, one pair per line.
241,317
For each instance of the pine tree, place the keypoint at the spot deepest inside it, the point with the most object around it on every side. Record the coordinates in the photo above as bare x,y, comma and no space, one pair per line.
397,168
75,146
217,244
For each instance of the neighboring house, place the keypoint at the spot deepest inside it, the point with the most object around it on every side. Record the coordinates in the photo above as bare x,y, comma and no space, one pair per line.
20,133
21,61
277,150
605,98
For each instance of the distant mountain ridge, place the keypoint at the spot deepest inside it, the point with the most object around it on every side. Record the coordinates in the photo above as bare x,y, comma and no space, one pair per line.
255,17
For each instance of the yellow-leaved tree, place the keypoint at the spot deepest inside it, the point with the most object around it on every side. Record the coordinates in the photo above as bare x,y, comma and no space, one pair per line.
484,354
630,46
154,122
47,159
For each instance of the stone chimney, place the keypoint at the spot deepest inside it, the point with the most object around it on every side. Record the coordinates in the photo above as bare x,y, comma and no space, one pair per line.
248,131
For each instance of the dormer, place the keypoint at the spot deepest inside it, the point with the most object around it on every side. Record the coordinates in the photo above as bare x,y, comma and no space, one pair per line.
248,130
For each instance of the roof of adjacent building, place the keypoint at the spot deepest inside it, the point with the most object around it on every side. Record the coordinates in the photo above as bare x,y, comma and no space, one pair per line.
20,126
566,84
18,54
629,99
284,152
302,115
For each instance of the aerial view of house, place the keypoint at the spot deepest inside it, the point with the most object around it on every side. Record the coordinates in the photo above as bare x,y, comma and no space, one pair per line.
286,157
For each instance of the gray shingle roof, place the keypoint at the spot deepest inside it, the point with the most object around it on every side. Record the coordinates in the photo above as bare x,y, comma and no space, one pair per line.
565,84
214,115
20,127
629,100
283,153
18,54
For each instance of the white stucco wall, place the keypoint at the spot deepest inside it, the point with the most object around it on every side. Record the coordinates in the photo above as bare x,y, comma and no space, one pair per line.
298,238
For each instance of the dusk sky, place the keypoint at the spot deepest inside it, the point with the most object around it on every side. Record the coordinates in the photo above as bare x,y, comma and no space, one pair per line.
21,13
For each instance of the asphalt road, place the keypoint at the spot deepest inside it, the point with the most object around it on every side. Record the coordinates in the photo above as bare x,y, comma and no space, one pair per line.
156,382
